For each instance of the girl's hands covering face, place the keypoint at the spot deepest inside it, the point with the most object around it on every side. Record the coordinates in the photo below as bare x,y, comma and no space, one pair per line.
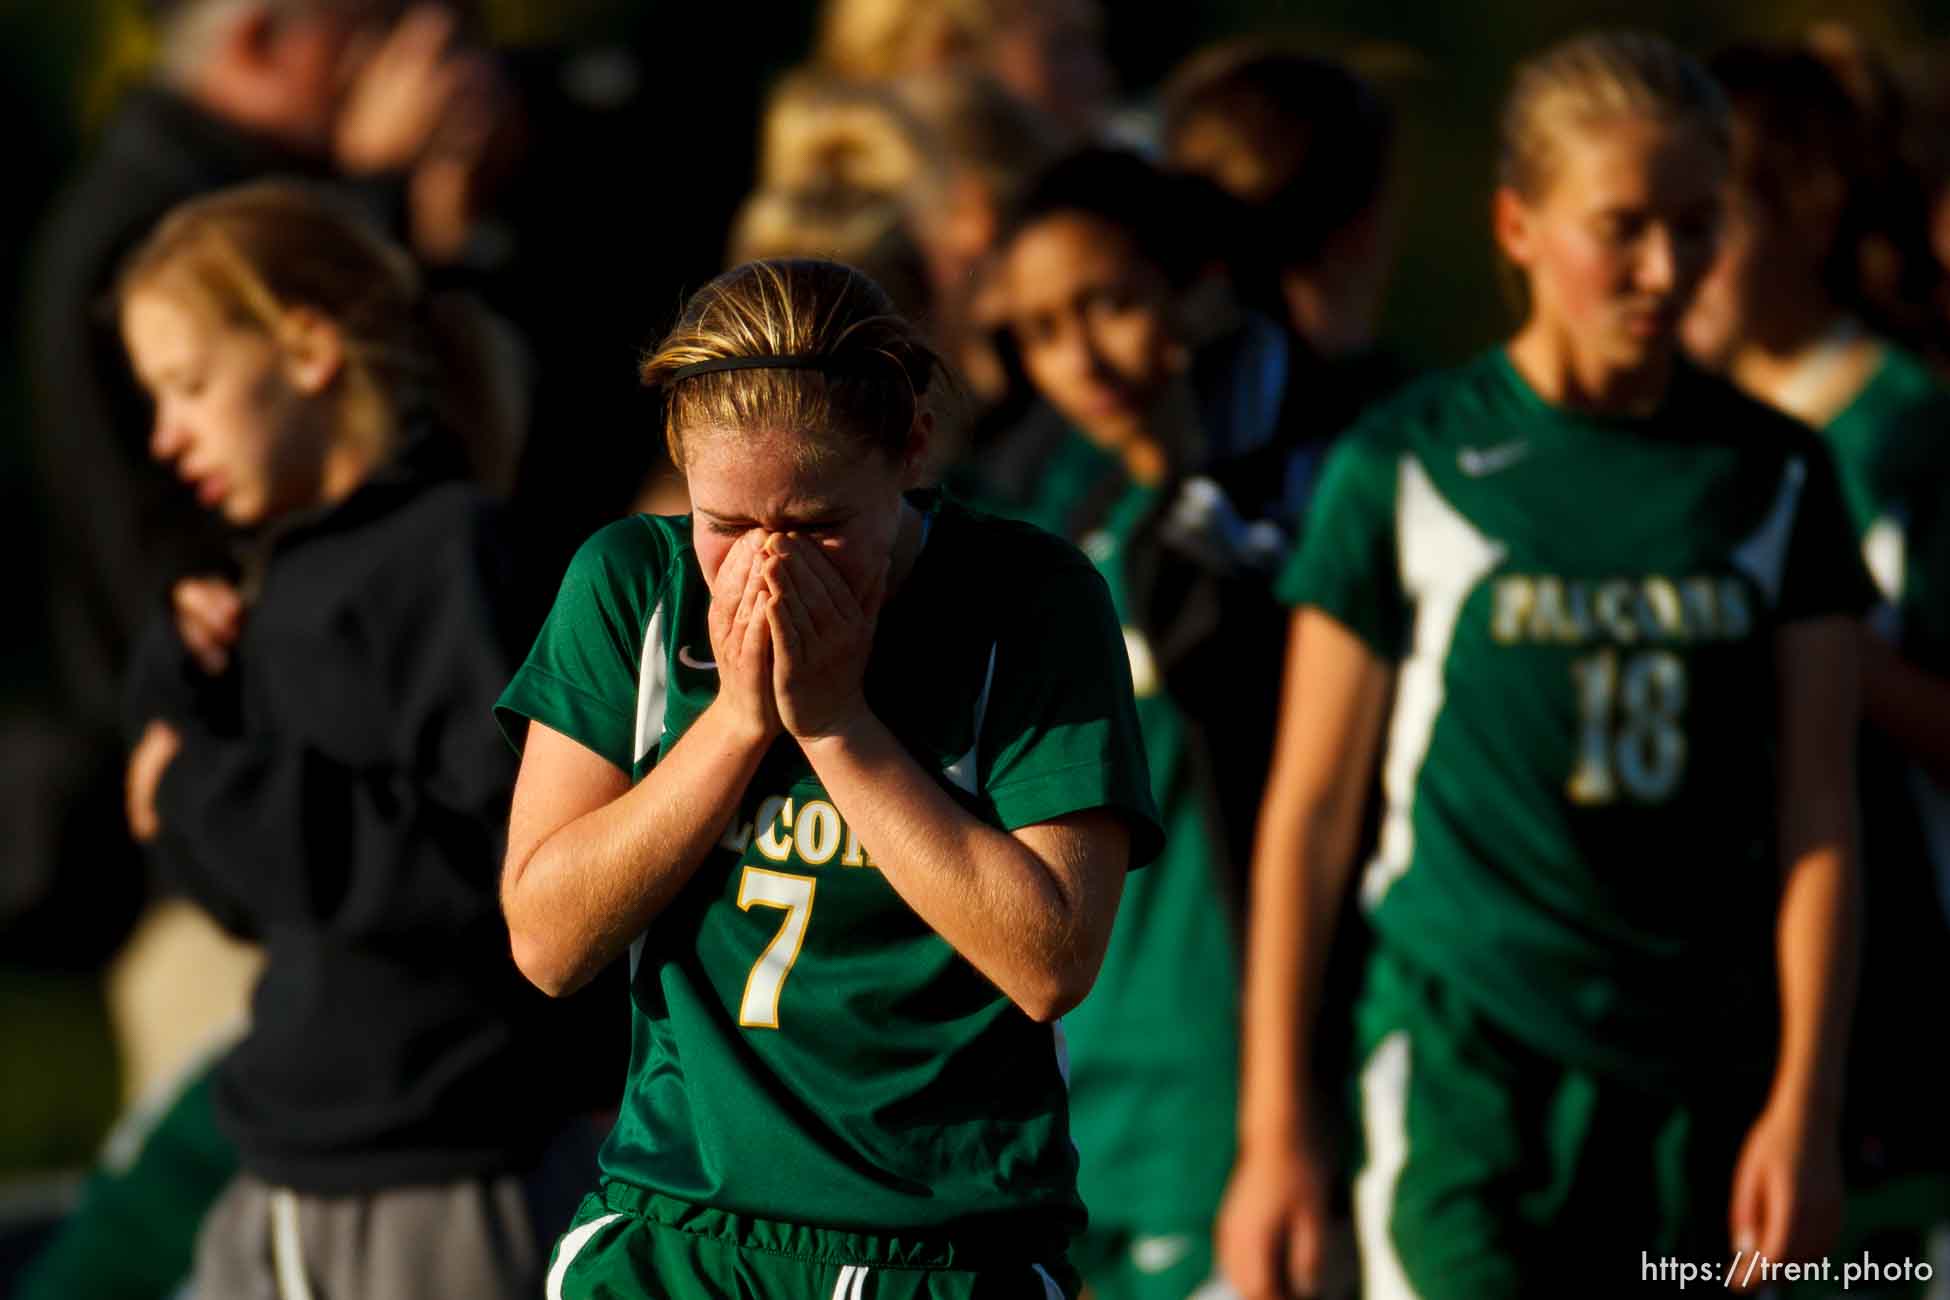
821,636
741,637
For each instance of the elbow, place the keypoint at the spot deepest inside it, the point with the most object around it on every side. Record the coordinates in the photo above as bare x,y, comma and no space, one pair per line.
1058,990
545,961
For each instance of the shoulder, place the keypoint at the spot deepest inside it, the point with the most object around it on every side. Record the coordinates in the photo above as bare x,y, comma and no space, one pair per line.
990,551
1708,409
1439,409
630,548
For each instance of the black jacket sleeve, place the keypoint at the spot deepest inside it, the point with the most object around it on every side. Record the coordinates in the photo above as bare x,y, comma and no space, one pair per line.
269,826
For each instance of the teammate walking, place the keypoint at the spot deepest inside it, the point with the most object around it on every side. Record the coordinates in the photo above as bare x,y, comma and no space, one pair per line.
853,778
1612,604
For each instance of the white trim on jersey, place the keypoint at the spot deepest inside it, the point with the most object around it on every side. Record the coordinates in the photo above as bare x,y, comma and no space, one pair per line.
652,704
652,685
963,770
1442,557
1051,1291
566,1252
1763,556
1384,1125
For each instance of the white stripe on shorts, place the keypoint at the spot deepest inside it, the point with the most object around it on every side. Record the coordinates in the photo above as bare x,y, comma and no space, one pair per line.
287,1248
568,1248
1384,1123
1051,1291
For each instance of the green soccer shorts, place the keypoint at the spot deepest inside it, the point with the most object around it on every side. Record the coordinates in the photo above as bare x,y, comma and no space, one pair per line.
1488,1171
630,1244
1152,1264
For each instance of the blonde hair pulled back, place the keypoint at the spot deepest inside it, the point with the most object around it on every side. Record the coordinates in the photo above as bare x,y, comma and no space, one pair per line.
866,394
254,253
1596,77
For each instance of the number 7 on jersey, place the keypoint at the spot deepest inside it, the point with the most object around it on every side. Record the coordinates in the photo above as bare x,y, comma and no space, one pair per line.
759,1009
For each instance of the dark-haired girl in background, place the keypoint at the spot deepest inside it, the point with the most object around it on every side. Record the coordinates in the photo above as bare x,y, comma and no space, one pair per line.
1182,469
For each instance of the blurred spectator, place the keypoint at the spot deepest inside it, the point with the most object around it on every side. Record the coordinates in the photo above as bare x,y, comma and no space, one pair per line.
1898,280
1924,77
316,88
1779,313
243,90
908,180
986,145
1050,53
1307,145
838,163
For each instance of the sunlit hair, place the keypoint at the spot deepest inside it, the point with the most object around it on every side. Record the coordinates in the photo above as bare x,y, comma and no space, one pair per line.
820,131
977,128
875,39
856,226
867,396
841,164
1598,77
252,254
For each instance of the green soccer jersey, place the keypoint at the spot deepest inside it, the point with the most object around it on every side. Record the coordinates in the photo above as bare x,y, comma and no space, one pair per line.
806,1049
1892,453
1155,1047
1579,766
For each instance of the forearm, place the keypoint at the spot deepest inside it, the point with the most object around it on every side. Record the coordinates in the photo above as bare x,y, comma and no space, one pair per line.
989,895
1300,874
1816,942
583,895
1815,930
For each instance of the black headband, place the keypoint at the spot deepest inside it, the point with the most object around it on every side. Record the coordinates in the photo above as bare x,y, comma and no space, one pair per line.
800,362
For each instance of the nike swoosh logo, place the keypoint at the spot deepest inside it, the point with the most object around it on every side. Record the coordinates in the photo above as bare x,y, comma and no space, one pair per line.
1478,461
1157,1254
684,658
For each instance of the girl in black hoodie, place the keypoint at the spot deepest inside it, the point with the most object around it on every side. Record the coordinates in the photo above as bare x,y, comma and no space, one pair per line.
319,767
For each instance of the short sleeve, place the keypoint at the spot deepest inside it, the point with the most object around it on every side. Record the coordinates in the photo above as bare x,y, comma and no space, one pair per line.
581,676
1345,565
1824,575
1061,731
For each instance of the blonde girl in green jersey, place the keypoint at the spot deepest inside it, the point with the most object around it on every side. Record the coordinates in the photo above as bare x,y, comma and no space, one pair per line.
852,776
1594,613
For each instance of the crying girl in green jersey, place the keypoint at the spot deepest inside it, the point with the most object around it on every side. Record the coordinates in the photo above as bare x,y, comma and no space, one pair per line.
1594,613
853,777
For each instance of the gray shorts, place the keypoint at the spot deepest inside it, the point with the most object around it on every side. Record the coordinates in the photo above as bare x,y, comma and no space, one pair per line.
485,1238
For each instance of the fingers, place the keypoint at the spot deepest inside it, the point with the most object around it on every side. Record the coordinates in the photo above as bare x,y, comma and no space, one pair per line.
735,571
209,618
1251,1263
1747,1211
818,589
755,638
1776,1214
417,41
1302,1274
786,644
138,795
151,756
789,598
